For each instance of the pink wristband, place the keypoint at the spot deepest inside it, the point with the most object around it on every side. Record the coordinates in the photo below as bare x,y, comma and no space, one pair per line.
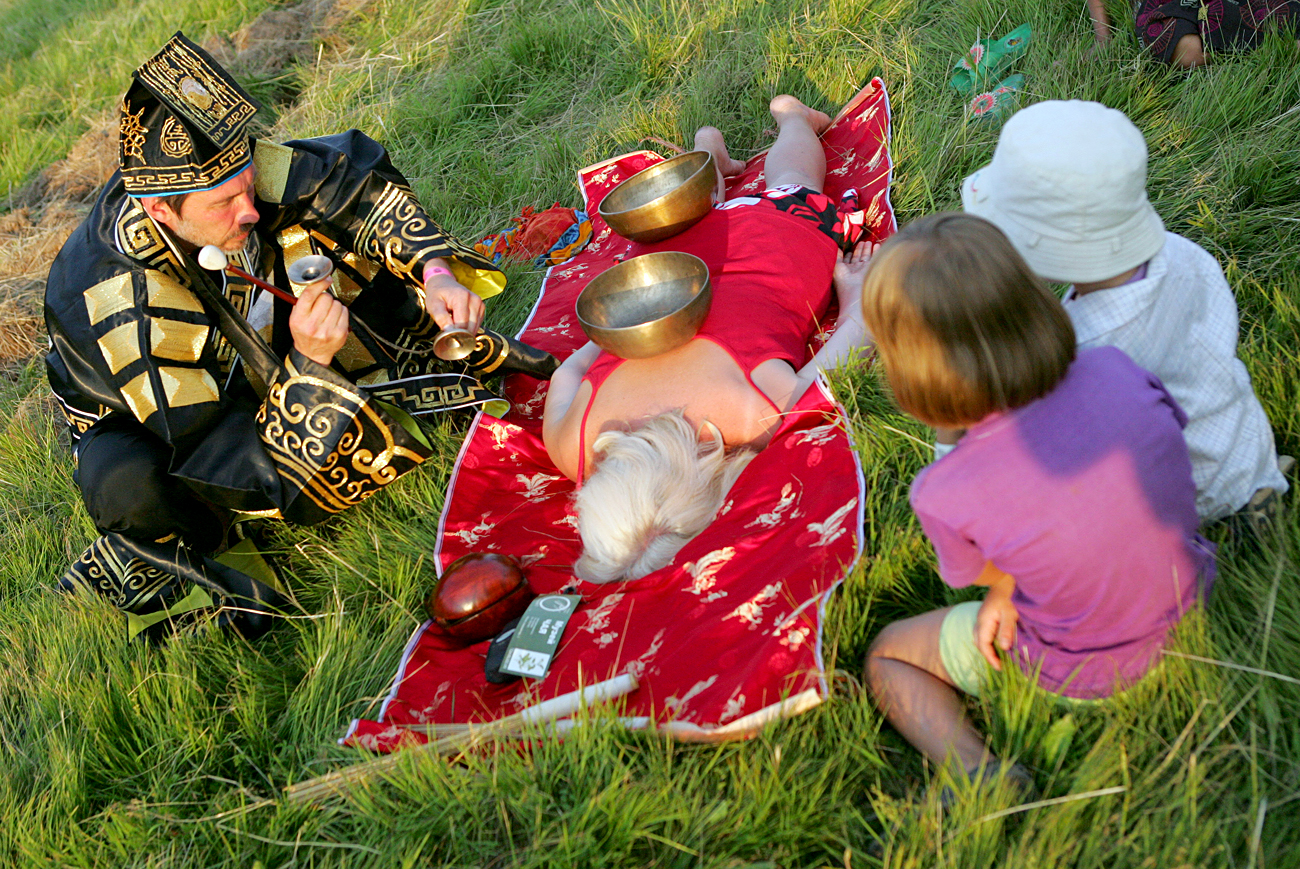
434,269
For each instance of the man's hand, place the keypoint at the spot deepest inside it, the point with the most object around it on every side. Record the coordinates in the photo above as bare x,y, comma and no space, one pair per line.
996,622
850,271
449,303
318,323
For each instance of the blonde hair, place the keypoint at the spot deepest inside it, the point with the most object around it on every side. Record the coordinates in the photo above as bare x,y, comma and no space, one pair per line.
963,326
653,490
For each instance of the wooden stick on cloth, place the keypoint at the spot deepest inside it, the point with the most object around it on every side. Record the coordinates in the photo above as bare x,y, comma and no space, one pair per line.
453,739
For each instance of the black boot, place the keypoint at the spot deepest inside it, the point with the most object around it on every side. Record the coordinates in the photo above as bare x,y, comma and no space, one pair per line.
165,586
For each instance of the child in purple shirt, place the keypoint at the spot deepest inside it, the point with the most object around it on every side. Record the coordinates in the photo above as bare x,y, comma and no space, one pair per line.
1070,497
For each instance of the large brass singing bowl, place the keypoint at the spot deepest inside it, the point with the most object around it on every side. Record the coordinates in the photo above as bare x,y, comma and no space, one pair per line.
663,200
647,305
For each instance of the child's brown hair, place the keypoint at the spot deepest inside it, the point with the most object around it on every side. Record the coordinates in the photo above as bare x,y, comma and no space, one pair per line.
962,325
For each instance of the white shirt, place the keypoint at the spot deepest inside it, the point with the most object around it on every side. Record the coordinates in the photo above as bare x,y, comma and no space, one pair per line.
1180,323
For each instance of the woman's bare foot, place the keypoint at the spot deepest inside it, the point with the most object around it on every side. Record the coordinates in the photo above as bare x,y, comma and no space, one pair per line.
710,139
785,106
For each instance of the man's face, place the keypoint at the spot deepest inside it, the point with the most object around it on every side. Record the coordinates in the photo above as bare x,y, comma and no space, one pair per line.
223,216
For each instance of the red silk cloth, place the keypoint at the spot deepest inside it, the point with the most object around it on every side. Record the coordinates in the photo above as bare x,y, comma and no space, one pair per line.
726,637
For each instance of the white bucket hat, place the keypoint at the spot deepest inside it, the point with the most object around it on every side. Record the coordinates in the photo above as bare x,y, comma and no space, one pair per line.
1067,185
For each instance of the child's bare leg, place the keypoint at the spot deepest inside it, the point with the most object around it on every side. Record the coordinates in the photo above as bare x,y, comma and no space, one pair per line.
913,689
710,139
797,156
1189,52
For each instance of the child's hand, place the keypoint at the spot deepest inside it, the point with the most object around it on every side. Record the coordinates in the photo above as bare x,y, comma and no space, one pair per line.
850,271
996,622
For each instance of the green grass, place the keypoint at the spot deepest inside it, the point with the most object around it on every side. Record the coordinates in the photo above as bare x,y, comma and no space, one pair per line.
64,63
113,754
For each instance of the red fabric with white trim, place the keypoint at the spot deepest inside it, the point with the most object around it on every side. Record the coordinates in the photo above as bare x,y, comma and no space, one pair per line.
733,626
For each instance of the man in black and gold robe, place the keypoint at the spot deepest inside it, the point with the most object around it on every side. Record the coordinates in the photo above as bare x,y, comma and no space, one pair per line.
194,397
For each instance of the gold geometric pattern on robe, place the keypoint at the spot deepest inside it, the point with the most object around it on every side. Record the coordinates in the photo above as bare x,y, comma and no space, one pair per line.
139,237
272,162
296,244
163,291
347,289
353,354
172,339
295,436
78,419
295,241
120,346
364,267
138,395
240,294
186,386
108,297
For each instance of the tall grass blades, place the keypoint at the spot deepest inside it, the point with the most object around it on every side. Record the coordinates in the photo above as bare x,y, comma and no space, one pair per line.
114,754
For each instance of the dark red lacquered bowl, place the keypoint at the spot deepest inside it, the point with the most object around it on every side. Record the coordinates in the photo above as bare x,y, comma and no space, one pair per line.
478,595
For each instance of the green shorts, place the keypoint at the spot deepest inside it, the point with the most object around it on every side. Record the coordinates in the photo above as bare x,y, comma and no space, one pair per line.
959,650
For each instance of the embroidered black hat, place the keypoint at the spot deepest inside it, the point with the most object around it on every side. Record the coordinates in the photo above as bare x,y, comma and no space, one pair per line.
184,122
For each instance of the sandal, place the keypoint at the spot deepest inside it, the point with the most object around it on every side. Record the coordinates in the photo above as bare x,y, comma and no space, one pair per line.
988,59
1000,102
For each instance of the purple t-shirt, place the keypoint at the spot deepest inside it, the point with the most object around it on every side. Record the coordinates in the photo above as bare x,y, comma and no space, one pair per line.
1085,497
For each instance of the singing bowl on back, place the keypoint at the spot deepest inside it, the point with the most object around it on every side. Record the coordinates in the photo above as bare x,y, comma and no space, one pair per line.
646,305
662,200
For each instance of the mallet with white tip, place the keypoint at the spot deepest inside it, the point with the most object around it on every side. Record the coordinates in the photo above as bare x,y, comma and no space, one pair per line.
214,259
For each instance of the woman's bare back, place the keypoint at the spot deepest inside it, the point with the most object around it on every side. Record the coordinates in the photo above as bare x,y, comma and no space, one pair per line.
699,378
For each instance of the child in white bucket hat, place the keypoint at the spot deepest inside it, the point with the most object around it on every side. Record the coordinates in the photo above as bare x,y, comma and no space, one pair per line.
1067,185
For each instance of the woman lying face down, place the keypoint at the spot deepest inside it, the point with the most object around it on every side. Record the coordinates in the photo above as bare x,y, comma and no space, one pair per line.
656,443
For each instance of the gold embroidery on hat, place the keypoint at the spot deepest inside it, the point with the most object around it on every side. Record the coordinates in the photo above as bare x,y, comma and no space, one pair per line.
175,142
203,95
164,180
195,94
132,132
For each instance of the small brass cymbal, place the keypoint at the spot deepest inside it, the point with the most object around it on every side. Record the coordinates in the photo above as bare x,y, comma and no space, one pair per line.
454,343
310,269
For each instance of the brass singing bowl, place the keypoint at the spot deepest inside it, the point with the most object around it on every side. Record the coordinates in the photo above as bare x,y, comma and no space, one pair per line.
663,200
646,305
